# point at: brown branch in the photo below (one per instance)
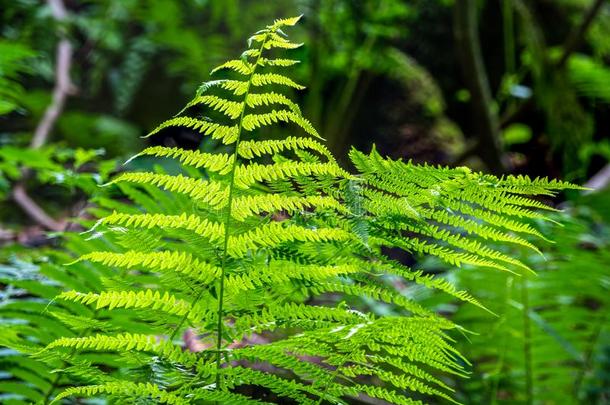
(578, 33)
(33, 210)
(62, 89)
(63, 85)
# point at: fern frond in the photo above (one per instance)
(147, 299)
(269, 253)
(247, 206)
(237, 65)
(391, 396)
(208, 229)
(178, 262)
(308, 317)
(226, 134)
(277, 273)
(216, 162)
(251, 149)
(431, 282)
(128, 342)
(278, 62)
(231, 109)
(286, 388)
(124, 389)
(211, 193)
(379, 293)
(81, 323)
(266, 79)
(284, 22)
(253, 121)
(275, 233)
(248, 175)
(400, 381)
(266, 99)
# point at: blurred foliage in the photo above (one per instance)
(570, 96)
(551, 327)
(13, 64)
(547, 340)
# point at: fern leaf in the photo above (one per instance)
(179, 262)
(282, 272)
(276, 233)
(227, 134)
(250, 149)
(253, 121)
(265, 99)
(128, 342)
(278, 62)
(265, 79)
(285, 22)
(283, 387)
(147, 299)
(124, 389)
(248, 175)
(208, 192)
(247, 206)
(216, 162)
(231, 109)
(212, 230)
(237, 65)
(308, 317)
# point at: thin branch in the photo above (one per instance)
(578, 33)
(63, 85)
(62, 89)
(33, 210)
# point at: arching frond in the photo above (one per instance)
(216, 162)
(268, 258)
(227, 134)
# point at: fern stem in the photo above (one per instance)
(588, 356)
(504, 345)
(227, 223)
(527, 343)
(332, 378)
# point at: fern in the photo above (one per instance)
(255, 244)
(550, 327)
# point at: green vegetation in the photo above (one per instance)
(241, 256)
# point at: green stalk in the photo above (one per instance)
(588, 355)
(500, 324)
(527, 343)
(227, 224)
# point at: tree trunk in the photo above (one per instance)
(475, 77)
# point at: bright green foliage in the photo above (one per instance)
(256, 244)
(548, 340)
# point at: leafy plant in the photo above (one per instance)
(260, 251)
(549, 337)
(12, 66)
